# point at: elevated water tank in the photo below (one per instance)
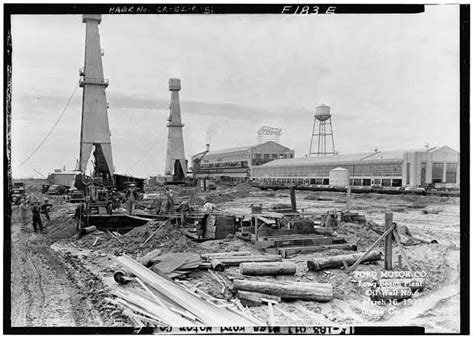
(339, 177)
(323, 112)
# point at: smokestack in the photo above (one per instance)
(208, 146)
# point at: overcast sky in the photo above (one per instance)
(392, 82)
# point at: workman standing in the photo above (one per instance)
(169, 193)
(45, 208)
(22, 213)
(37, 223)
(131, 198)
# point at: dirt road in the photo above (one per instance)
(46, 289)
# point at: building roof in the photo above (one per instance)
(242, 148)
(229, 150)
(392, 155)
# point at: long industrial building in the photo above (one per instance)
(386, 168)
(236, 164)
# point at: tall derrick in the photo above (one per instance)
(95, 132)
(175, 160)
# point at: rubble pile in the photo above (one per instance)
(168, 238)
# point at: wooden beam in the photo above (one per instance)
(153, 234)
(388, 242)
(388, 231)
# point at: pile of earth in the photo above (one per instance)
(361, 235)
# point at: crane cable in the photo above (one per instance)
(54, 126)
(146, 154)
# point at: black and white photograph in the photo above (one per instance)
(236, 169)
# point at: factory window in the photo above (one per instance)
(451, 169)
(266, 156)
(312, 181)
(376, 180)
(258, 156)
(274, 155)
(366, 181)
(357, 181)
(386, 182)
(396, 182)
(437, 172)
(325, 181)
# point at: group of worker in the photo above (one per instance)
(132, 196)
(37, 210)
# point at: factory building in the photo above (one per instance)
(237, 164)
(436, 165)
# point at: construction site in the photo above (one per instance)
(236, 239)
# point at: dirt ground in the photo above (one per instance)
(60, 281)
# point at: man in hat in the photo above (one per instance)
(45, 208)
(131, 198)
(169, 193)
(37, 223)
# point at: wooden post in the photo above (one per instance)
(293, 199)
(348, 198)
(399, 261)
(254, 220)
(388, 241)
(367, 252)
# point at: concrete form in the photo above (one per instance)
(95, 132)
(175, 161)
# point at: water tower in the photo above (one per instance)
(323, 118)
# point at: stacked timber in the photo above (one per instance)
(164, 302)
(321, 292)
(341, 260)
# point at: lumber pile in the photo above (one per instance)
(341, 260)
(162, 302)
(321, 292)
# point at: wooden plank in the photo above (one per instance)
(162, 313)
(277, 232)
(224, 254)
(236, 260)
(303, 242)
(207, 313)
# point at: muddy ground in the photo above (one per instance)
(60, 281)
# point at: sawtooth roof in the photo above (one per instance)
(393, 155)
